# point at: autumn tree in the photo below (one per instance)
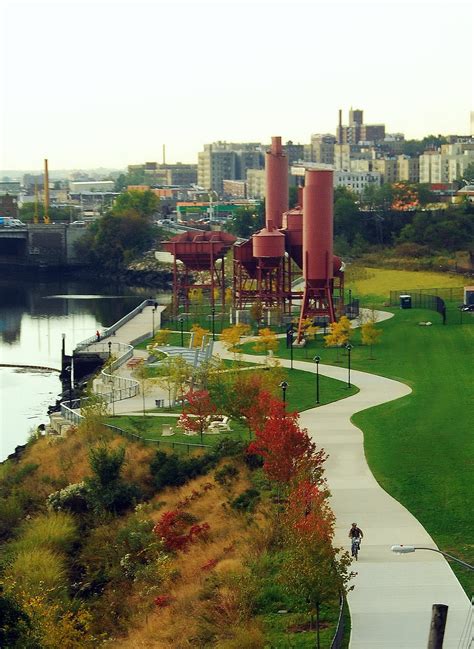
(197, 411)
(314, 572)
(267, 341)
(334, 337)
(175, 374)
(162, 337)
(230, 337)
(370, 335)
(286, 448)
(199, 333)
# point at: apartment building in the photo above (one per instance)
(227, 161)
(256, 183)
(321, 149)
(356, 181)
(387, 168)
(448, 164)
(408, 169)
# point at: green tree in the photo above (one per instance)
(106, 489)
(142, 203)
(244, 222)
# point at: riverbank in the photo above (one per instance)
(159, 279)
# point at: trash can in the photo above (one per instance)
(405, 301)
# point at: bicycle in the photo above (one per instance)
(355, 546)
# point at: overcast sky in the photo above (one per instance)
(106, 83)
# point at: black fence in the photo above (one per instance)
(421, 300)
(158, 442)
(455, 294)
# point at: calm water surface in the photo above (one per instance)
(34, 313)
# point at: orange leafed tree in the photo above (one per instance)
(286, 449)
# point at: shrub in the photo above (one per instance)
(105, 489)
(171, 528)
(15, 625)
(11, 513)
(37, 571)
(72, 498)
(169, 469)
(246, 501)
(55, 531)
(226, 474)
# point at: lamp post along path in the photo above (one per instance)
(317, 360)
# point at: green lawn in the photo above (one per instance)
(300, 395)
(420, 448)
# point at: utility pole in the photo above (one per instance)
(438, 625)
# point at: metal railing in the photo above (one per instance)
(339, 633)
(113, 328)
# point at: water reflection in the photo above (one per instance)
(34, 314)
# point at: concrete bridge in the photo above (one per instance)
(40, 245)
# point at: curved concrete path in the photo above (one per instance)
(391, 603)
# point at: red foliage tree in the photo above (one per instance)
(286, 448)
(308, 513)
(258, 409)
(197, 411)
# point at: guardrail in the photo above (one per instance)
(113, 328)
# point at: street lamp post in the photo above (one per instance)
(284, 386)
(153, 322)
(348, 347)
(213, 316)
(289, 343)
(406, 549)
(68, 369)
(317, 359)
(110, 349)
(181, 324)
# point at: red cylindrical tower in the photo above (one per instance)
(318, 227)
(276, 175)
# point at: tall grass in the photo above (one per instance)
(37, 572)
(55, 531)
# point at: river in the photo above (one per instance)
(34, 314)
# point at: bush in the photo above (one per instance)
(171, 470)
(106, 491)
(11, 513)
(226, 474)
(72, 498)
(246, 501)
(37, 571)
(15, 625)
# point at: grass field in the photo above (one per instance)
(375, 284)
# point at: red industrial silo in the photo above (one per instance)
(317, 252)
(276, 178)
(318, 227)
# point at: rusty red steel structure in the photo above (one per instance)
(264, 266)
(198, 252)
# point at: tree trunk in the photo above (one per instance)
(318, 640)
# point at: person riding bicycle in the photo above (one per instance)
(356, 533)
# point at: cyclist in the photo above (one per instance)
(356, 535)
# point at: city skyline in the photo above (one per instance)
(107, 84)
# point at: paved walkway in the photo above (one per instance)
(391, 603)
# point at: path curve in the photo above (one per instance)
(391, 603)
